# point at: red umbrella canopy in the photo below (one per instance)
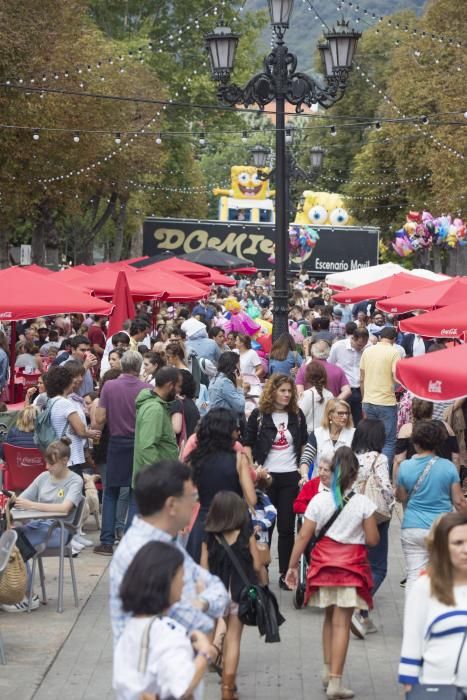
(448, 322)
(436, 376)
(387, 287)
(25, 294)
(143, 285)
(38, 269)
(436, 295)
(175, 287)
(124, 306)
(189, 269)
(104, 280)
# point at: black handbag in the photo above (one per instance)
(257, 605)
(433, 691)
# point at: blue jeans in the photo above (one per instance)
(388, 415)
(111, 503)
(123, 499)
(378, 557)
(132, 510)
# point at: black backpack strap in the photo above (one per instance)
(233, 558)
(332, 519)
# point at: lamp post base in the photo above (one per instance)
(280, 313)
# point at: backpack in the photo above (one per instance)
(44, 433)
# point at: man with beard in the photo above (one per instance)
(154, 435)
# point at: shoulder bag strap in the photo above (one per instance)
(144, 647)
(423, 476)
(333, 518)
(233, 558)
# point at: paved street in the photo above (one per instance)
(52, 656)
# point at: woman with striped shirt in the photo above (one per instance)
(435, 620)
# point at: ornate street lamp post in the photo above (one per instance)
(280, 81)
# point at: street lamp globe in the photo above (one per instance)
(316, 157)
(280, 12)
(260, 156)
(326, 58)
(222, 46)
(342, 44)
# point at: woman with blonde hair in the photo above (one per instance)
(275, 436)
(21, 433)
(336, 430)
(435, 621)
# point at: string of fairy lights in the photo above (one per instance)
(175, 37)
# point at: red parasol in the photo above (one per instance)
(436, 376)
(436, 295)
(448, 322)
(387, 287)
(27, 294)
(163, 286)
(38, 269)
(201, 273)
(124, 306)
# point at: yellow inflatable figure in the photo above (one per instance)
(247, 195)
(323, 209)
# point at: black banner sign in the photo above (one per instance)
(338, 249)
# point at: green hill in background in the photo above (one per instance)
(305, 30)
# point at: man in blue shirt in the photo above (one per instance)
(166, 495)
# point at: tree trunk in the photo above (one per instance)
(38, 243)
(119, 220)
(85, 255)
(136, 248)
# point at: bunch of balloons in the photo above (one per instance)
(423, 230)
(302, 240)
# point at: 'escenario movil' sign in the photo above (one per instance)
(338, 248)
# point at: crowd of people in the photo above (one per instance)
(208, 438)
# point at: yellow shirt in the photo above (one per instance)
(378, 364)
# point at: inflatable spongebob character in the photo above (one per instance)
(248, 199)
(323, 209)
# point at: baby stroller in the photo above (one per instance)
(299, 593)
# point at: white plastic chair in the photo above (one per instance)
(7, 542)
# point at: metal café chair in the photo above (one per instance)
(64, 550)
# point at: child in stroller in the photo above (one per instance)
(309, 490)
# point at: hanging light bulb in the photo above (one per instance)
(244, 137)
(118, 138)
(333, 130)
(202, 140)
(378, 126)
(36, 136)
(159, 139)
(76, 137)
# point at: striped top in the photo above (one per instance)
(433, 636)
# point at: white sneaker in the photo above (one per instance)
(358, 625)
(81, 539)
(22, 606)
(76, 547)
(370, 626)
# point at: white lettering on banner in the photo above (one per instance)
(449, 331)
(170, 238)
(355, 265)
(240, 244)
(6, 314)
(435, 386)
(331, 265)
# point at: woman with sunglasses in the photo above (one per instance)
(336, 430)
